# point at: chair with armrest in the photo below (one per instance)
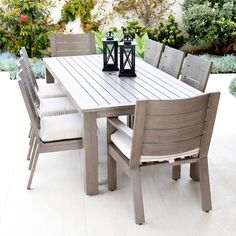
(166, 132)
(171, 61)
(51, 133)
(195, 72)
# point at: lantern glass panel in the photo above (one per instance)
(127, 60)
(110, 55)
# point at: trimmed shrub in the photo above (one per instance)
(8, 62)
(224, 64)
(211, 21)
(232, 87)
(167, 32)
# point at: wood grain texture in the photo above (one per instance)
(72, 44)
(196, 71)
(171, 61)
(153, 52)
(91, 153)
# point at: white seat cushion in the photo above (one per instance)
(123, 142)
(56, 106)
(54, 128)
(50, 90)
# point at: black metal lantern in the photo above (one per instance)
(127, 57)
(110, 52)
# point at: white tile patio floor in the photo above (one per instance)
(58, 206)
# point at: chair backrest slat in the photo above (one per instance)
(168, 127)
(153, 52)
(27, 64)
(32, 110)
(171, 61)
(196, 72)
(170, 148)
(72, 44)
(28, 85)
(175, 121)
(172, 135)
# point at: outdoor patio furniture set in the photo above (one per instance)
(172, 119)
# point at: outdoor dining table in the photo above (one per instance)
(99, 94)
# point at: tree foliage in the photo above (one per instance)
(211, 21)
(26, 23)
(82, 9)
(149, 11)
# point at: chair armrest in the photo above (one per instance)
(118, 124)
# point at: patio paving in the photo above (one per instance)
(57, 204)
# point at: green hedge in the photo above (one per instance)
(232, 87)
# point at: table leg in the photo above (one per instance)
(91, 153)
(49, 77)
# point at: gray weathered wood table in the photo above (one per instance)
(103, 94)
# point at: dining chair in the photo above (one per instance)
(44, 90)
(52, 133)
(166, 133)
(51, 106)
(171, 61)
(195, 72)
(72, 44)
(153, 52)
(45, 107)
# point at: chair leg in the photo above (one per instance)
(129, 121)
(30, 131)
(176, 172)
(205, 185)
(32, 143)
(33, 153)
(137, 196)
(33, 168)
(112, 173)
(194, 171)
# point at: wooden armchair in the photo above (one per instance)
(166, 132)
(153, 52)
(171, 61)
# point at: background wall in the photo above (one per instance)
(75, 26)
